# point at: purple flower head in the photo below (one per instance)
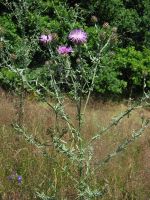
(19, 178)
(45, 38)
(64, 50)
(78, 36)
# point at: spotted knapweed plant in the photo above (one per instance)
(72, 71)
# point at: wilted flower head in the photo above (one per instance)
(64, 50)
(94, 19)
(78, 36)
(45, 38)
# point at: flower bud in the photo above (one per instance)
(114, 29)
(94, 19)
(55, 36)
(106, 25)
(48, 62)
(78, 60)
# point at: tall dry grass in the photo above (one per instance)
(127, 176)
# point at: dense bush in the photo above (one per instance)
(132, 17)
(134, 67)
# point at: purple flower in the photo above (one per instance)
(45, 38)
(64, 50)
(19, 178)
(78, 36)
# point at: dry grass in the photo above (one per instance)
(127, 176)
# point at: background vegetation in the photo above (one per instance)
(126, 66)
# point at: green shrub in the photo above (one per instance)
(134, 66)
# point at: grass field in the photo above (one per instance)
(127, 175)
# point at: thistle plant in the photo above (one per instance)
(72, 74)
(75, 148)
